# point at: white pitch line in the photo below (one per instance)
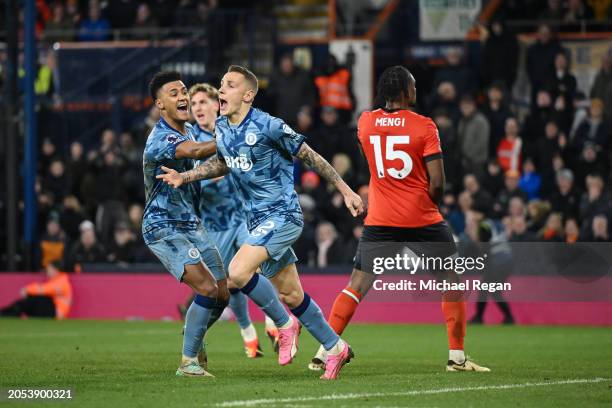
(332, 397)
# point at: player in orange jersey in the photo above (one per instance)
(407, 180)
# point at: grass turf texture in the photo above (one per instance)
(121, 364)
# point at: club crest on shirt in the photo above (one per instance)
(194, 253)
(250, 139)
(172, 139)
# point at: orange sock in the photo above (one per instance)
(343, 309)
(455, 311)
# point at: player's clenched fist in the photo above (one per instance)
(171, 177)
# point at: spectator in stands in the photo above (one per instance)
(329, 247)
(332, 137)
(563, 84)
(456, 217)
(553, 230)
(537, 212)
(445, 98)
(60, 26)
(516, 206)
(56, 180)
(510, 147)
(52, 243)
(87, 249)
(473, 137)
(594, 129)
(577, 11)
(51, 299)
(493, 180)
(335, 89)
(571, 230)
(599, 231)
(110, 192)
(73, 12)
(305, 122)
(519, 231)
(455, 72)
(145, 22)
(591, 161)
(595, 200)
(497, 112)
(121, 248)
(48, 155)
(602, 86)
(540, 58)
(94, 27)
(530, 181)
(480, 196)
(511, 189)
(76, 167)
(499, 54)
(291, 89)
(448, 140)
(566, 199)
(554, 11)
(163, 10)
(540, 114)
(71, 217)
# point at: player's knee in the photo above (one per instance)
(238, 273)
(207, 287)
(292, 298)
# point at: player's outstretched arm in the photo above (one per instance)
(213, 167)
(195, 150)
(320, 165)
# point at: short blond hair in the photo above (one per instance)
(247, 74)
(208, 89)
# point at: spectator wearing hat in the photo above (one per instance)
(87, 249)
(51, 299)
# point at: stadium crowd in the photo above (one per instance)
(543, 176)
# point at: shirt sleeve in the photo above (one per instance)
(287, 139)
(166, 145)
(432, 149)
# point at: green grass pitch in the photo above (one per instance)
(125, 364)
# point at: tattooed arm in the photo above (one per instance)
(320, 165)
(213, 167)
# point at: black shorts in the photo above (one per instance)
(434, 240)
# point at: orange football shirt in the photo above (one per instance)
(397, 145)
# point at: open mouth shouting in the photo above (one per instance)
(223, 105)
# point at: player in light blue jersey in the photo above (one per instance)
(171, 228)
(257, 150)
(223, 216)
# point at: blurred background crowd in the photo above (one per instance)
(537, 166)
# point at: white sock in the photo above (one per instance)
(269, 323)
(321, 353)
(249, 334)
(288, 324)
(458, 356)
(337, 349)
